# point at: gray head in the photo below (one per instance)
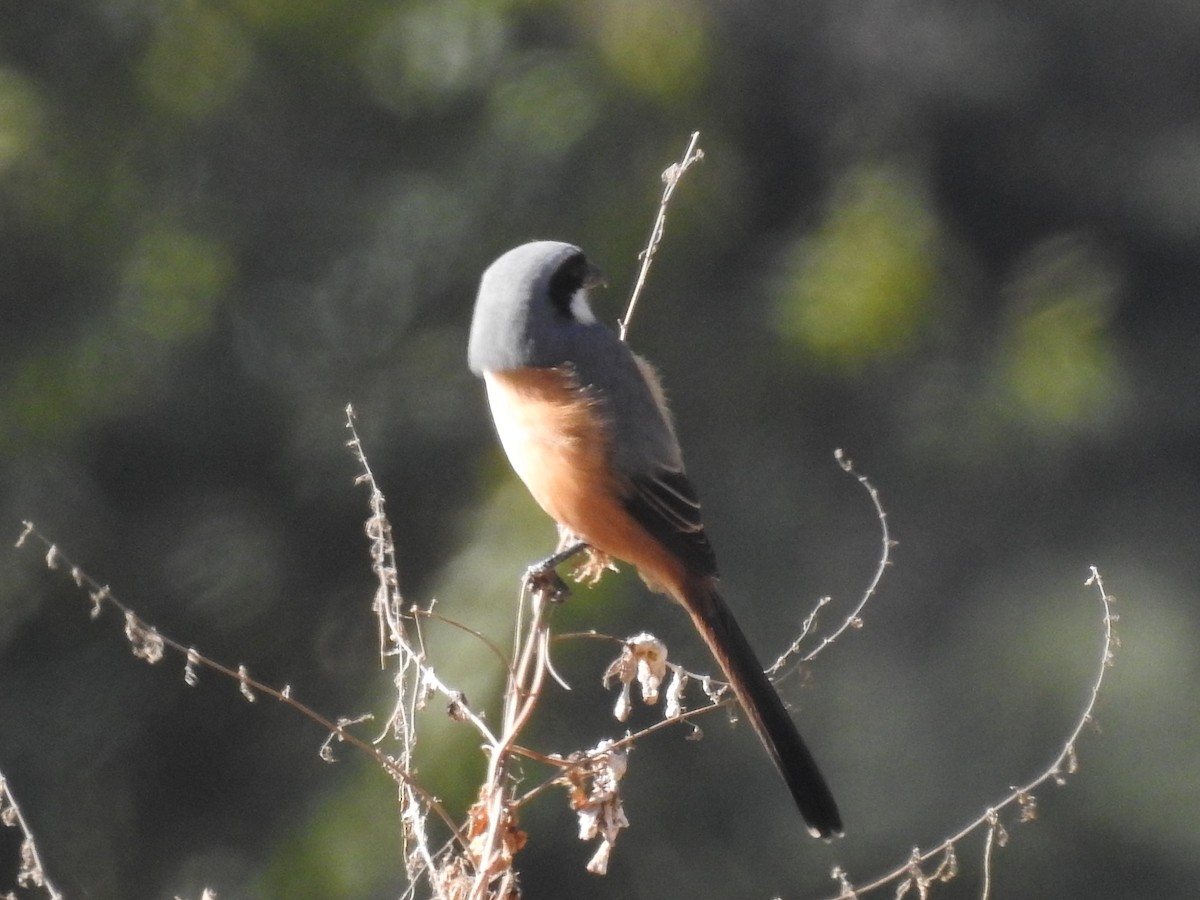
(531, 303)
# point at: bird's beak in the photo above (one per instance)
(593, 278)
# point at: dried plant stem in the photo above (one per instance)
(671, 178)
(493, 853)
(854, 618)
(1064, 764)
(148, 643)
(989, 841)
(30, 873)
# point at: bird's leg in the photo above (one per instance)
(541, 576)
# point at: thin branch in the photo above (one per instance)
(989, 841)
(148, 643)
(401, 638)
(494, 844)
(478, 635)
(1064, 764)
(854, 619)
(31, 872)
(566, 765)
(671, 178)
(388, 601)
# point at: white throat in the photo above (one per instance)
(580, 309)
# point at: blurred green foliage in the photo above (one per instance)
(20, 120)
(197, 59)
(428, 55)
(167, 295)
(862, 287)
(171, 285)
(1059, 367)
(659, 50)
(336, 849)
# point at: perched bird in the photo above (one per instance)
(586, 427)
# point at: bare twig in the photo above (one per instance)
(388, 604)
(854, 618)
(400, 639)
(478, 635)
(671, 178)
(1023, 797)
(30, 872)
(496, 838)
(995, 834)
(146, 642)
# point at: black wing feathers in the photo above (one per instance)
(666, 506)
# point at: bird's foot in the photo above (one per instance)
(542, 578)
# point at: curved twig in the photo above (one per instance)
(1064, 764)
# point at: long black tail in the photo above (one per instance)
(765, 710)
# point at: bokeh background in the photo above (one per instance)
(959, 240)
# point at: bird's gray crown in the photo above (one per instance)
(528, 307)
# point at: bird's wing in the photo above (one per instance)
(665, 504)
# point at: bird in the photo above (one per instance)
(585, 425)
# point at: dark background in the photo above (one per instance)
(960, 240)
